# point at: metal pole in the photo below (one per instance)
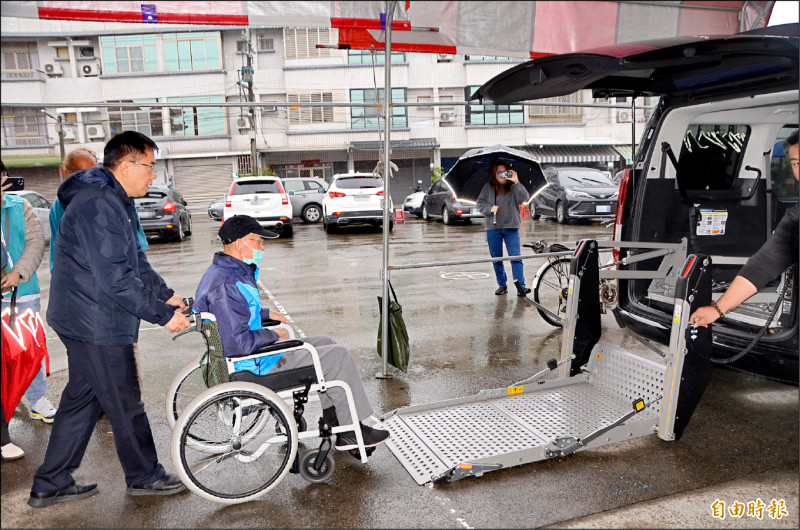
(251, 98)
(61, 140)
(387, 197)
(633, 146)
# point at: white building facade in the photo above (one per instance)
(80, 71)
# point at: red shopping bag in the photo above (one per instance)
(24, 346)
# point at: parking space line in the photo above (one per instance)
(279, 307)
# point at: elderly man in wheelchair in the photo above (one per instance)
(263, 369)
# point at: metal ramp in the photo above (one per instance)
(615, 395)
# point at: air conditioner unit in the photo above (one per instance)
(270, 109)
(447, 117)
(443, 57)
(623, 116)
(69, 133)
(90, 70)
(243, 122)
(95, 131)
(53, 69)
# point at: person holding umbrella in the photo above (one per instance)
(499, 202)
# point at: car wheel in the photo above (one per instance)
(329, 227)
(287, 231)
(189, 228)
(561, 213)
(535, 215)
(391, 225)
(425, 215)
(178, 235)
(311, 213)
(446, 216)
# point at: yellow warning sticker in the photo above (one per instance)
(514, 390)
(677, 315)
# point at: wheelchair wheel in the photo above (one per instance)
(308, 472)
(302, 426)
(186, 386)
(240, 457)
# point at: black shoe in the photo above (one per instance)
(72, 493)
(501, 290)
(166, 485)
(372, 437)
(525, 290)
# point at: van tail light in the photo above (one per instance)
(169, 207)
(453, 198)
(623, 192)
(284, 199)
(228, 201)
(335, 194)
(379, 193)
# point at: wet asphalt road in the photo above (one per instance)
(742, 443)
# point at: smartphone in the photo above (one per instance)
(503, 174)
(17, 183)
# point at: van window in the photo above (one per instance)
(354, 183)
(783, 182)
(711, 155)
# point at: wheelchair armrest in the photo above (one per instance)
(277, 346)
(270, 322)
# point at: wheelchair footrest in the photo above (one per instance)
(279, 381)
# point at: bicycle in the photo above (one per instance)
(550, 286)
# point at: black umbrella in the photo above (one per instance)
(474, 169)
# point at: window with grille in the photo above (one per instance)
(558, 113)
(492, 114)
(22, 126)
(489, 58)
(309, 114)
(146, 120)
(365, 57)
(301, 43)
(20, 60)
(197, 121)
(124, 54)
(192, 51)
(367, 117)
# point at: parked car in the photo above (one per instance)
(40, 205)
(705, 171)
(440, 202)
(306, 194)
(163, 212)
(353, 199)
(215, 209)
(575, 193)
(413, 203)
(263, 198)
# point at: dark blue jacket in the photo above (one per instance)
(228, 290)
(102, 283)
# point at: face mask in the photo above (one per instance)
(258, 255)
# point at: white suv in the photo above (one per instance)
(353, 199)
(262, 198)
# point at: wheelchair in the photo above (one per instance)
(238, 438)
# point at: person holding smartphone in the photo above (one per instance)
(499, 202)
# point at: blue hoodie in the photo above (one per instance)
(102, 283)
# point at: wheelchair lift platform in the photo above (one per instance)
(604, 394)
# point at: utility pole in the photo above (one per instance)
(60, 129)
(251, 99)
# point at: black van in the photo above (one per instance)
(709, 170)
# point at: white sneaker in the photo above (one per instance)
(12, 452)
(43, 410)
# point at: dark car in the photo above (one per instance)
(440, 202)
(707, 174)
(163, 212)
(575, 193)
(215, 208)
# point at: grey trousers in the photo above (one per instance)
(337, 363)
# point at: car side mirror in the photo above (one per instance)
(291, 193)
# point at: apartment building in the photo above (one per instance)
(97, 77)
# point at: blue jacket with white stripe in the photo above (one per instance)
(228, 290)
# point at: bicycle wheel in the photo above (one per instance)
(251, 458)
(550, 289)
(186, 386)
